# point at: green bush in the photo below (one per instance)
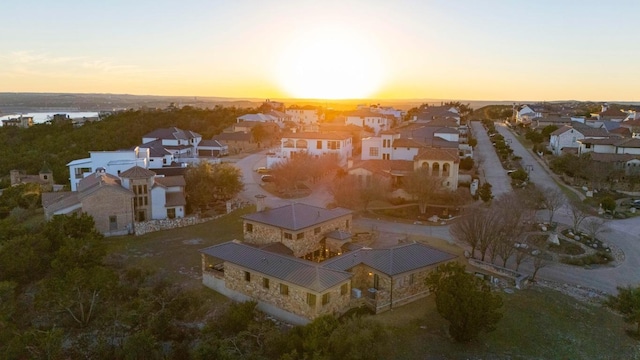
(466, 163)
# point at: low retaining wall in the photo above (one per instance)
(520, 280)
(166, 224)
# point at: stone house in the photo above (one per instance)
(100, 195)
(44, 178)
(117, 202)
(300, 227)
(299, 291)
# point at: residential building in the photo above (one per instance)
(298, 290)
(116, 202)
(100, 195)
(180, 143)
(300, 227)
(44, 178)
(212, 148)
(438, 113)
(315, 144)
(304, 115)
(569, 136)
(236, 142)
(112, 162)
(21, 122)
(367, 118)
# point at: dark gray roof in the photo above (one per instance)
(156, 149)
(172, 133)
(300, 272)
(296, 216)
(339, 235)
(210, 143)
(391, 261)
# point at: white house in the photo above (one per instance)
(569, 137)
(315, 144)
(168, 198)
(113, 162)
(259, 117)
(181, 143)
(304, 115)
(378, 122)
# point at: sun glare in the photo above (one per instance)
(330, 63)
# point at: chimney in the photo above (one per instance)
(260, 202)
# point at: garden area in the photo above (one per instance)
(571, 249)
(412, 213)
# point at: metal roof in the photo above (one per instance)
(296, 216)
(300, 272)
(391, 261)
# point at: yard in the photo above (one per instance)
(175, 252)
(537, 324)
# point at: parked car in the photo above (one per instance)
(268, 178)
(262, 170)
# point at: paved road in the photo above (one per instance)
(487, 160)
(253, 185)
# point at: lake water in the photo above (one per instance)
(39, 118)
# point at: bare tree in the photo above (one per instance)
(578, 214)
(538, 263)
(594, 226)
(472, 229)
(552, 199)
(512, 214)
(423, 186)
(521, 255)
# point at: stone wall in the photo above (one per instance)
(295, 302)
(519, 280)
(106, 202)
(265, 234)
(166, 224)
(405, 290)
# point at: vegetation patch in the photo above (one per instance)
(412, 212)
(599, 258)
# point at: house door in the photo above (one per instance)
(141, 215)
(376, 281)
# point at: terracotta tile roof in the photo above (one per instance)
(448, 122)
(137, 172)
(169, 181)
(365, 113)
(438, 154)
(318, 135)
(386, 166)
(174, 199)
(629, 143)
(97, 179)
(408, 142)
(605, 141)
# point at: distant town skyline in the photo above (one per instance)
(492, 50)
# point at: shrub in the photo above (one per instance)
(466, 163)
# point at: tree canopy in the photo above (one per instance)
(208, 183)
(627, 303)
(465, 301)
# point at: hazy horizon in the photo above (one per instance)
(392, 51)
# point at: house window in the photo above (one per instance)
(311, 299)
(316, 231)
(373, 151)
(319, 144)
(411, 279)
(347, 224)
(284, 289)
(288, 236)
(144, 189)
(300, 236)
(326, 298)
(344, 288)
(265, 283)
(385, 157)
(249, 228)
(171, 213)
(247, 276)
(113, 222)
(333, 145)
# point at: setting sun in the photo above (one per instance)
(330, 63)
